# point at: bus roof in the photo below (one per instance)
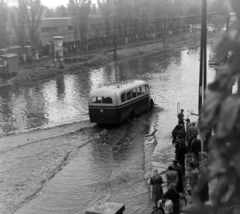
(117, 88)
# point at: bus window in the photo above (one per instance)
(97, 100)
(107, 100)
(147, 88)
(123, 97)
(129, 95)
(138, 91)
(143, 89)
(134, 93)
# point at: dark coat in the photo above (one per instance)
(181, 149)
(157, 190)
(180, 180)
(196, 146)
(174, 197)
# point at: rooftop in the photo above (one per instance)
(98, 15)
(119, 86)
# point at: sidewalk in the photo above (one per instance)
(49, 59)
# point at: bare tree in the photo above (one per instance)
(49, 12)
(3, 23)
(84, 9)
(73, 11)
(106, 8)
(18, 21)
(79, 11)
(61, 11)
(35, 11)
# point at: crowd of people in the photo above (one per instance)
(186, 142)
(28, 58)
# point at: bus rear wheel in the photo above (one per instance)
(130, 117)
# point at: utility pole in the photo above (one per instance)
(203, 58)
(114, 40)
(227, 25)
(115, 45)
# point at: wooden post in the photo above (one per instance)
(203, 58)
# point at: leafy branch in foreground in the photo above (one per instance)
(221, 112)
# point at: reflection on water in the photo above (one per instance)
(54, 102)
(64, 99)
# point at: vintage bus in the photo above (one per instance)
(119, 102)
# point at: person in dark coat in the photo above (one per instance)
(178, 169)
(157, 191)
(196, 148)
(181, 117)
(174, 196)
(180, 151)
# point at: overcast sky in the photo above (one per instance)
(55, 3)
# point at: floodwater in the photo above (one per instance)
(100, 164)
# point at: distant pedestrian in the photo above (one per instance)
(174, 196)
(21, 59)
(37, 57)
(24, 58)
(181, 150)
(164, 40)
(181, 117)
(178, 169)
(172, 176)
(40, 55)
(196, 149)
(157, 191)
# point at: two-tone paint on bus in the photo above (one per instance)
(119, 102)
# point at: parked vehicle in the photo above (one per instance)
(119, 102)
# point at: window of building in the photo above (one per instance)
(70, 27)
(48, 29)
(107, 100)
(62, 28)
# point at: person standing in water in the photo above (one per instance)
(181, 117)
(157, 191)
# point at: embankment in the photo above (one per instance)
(175, 43)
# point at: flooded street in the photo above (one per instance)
(66, 170)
